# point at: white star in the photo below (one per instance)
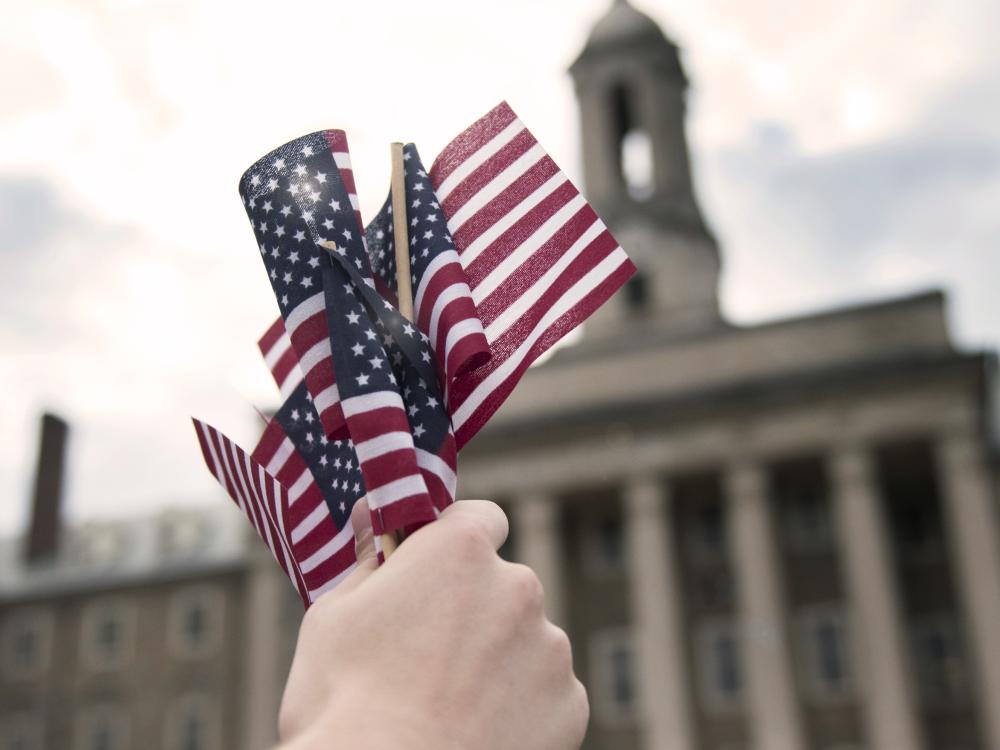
(418, 186)
(413, 221)
(274, 274)
(408, 329)
(267, 207)
(335, 205)
(352, 317)
(357, 262)
(432, 402)
(293, 188)
(263, 226)
(284, 299)
(275, 253)
(314, 195)
(314, 262)
(309, 417)
(406, 156)
(397, 358)
(413, 410)
(285, 210)
(432, 218)
(376, 362)
(280, 231)
(416, 203)
(357, 487)
(348, 289)
(425, 355)
(295, 415)
(307, 215)
(323, 461)
(327, 224)
(424, 252)
(255, 180)
(293, 257)
(358, 350)
(309, 438)
(347, 234)
(370, 334)
(428, 234)
(306, 281)
(278, 164)
(307, 150)
(362, 379)
(272, 184)
(336, 463)
(299, 236)
(300, 169)
(380, 234)
(321, 177)
(418, 430)
(287, 278)
(343, 507)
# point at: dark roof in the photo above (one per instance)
(625, 29)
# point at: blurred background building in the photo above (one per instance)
(777, 537)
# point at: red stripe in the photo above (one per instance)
(468, 353)
(466, 144)
(521, 329)
(370, 424)
(389, 467)
(545, 257)
(487, 171)
(556, 331)
(270, 441)
(331, 567)
(271, 336)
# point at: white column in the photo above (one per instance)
(538, 544)
(774, 716)
(657, 620)
(970, 510)
(263, 659)
(880, 652)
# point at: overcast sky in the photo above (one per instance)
(843, 149)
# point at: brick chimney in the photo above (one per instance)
(42, 543)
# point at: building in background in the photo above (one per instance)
(777, 537)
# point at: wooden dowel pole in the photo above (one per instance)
(404, 287)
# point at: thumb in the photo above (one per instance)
(364, 546)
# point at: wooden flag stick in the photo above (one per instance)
(404, 287)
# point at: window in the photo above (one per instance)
(27, 640)
(102, 727)
(191, 724)
(20, 732)
(705, 533)
(195, 621)
(181, 533)
(633, 144)
(604, 545)
(108, 634)
(613, 676)
(825, 653)
(720, 667)
(806, 522)
(938, 656)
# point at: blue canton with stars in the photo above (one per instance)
(425, 223)
(333, 463)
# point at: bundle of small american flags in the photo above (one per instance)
(506, 257)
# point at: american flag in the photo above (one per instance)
(442, 301)
(506, 258)
(538, 259)
(258, 493)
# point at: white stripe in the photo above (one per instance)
(387, 494)
(326, 398)
(590, 281)
(370, 402)
(467, 327)
(318, 352)
(518, 212)
(526, 249)
(514, 310)
(328, 550)
(476, 158)
(354, 201)
(281, 455)
(276, 352)
(300, 486)
(316, 593)
(439, 262)
(310, 522)
(435, 465)
(448, 295)
(291, 382)
(305, 310)
(385, 443)
(343, 159)
(280, 521)
(494, 187)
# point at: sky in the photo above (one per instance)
(843, 150)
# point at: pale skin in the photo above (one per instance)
(445, 647)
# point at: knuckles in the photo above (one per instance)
(526, 589)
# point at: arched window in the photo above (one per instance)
(633, 145)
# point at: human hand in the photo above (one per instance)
(444, 647)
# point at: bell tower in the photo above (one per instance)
(631, 90)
